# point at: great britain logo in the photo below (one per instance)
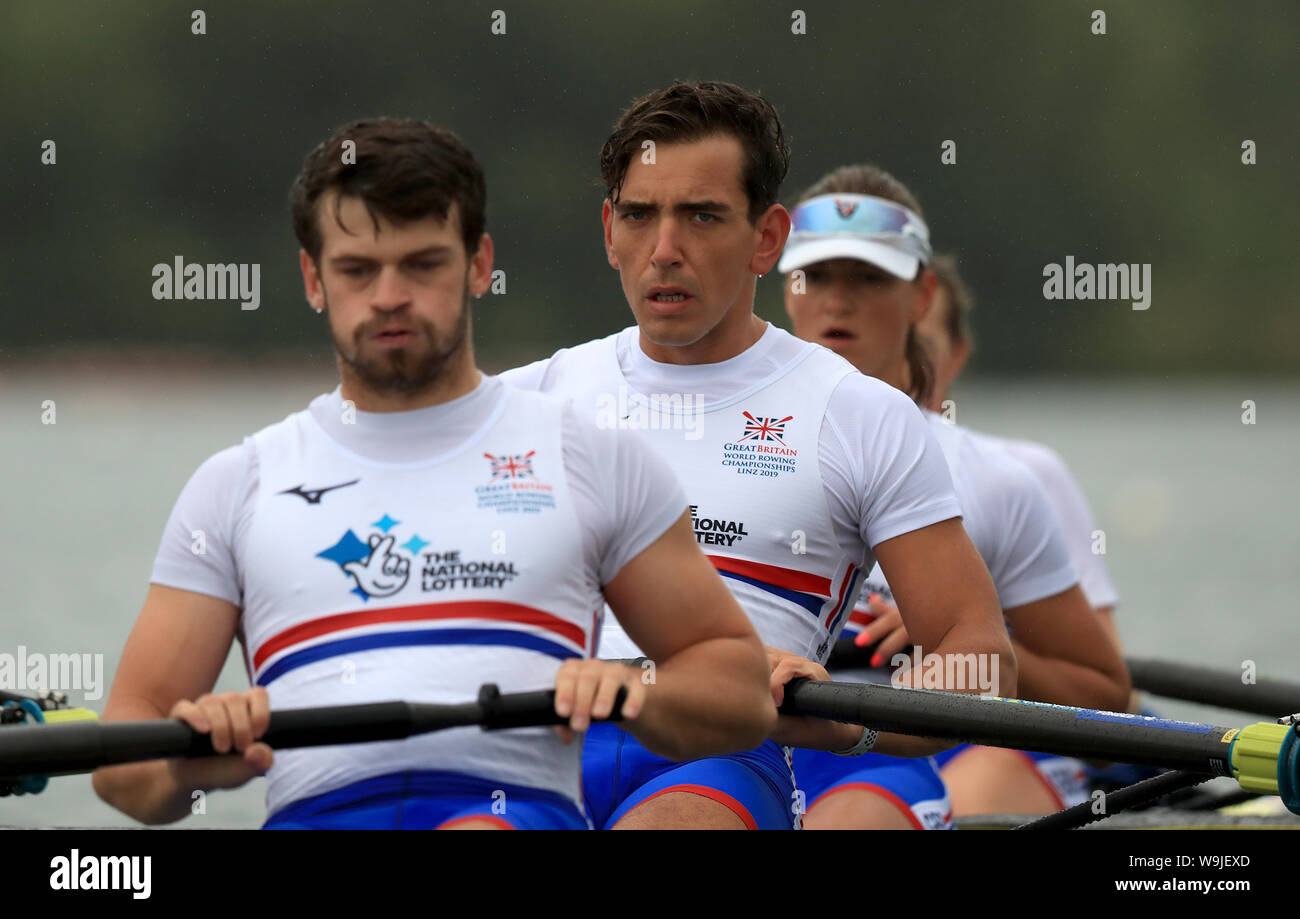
(761, 449)
(761, 428)
(512, 466)
(513, 486)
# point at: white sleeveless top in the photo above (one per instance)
(750, 456)
(418, 582)
(415, 556)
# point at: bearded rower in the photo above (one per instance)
(416, 533)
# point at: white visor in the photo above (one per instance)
(813, 248)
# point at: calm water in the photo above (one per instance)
(1198, 510)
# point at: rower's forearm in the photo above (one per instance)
(974, 659)
(144, 791)
(1049, 679)
(709, 699)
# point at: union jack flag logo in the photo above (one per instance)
(764, 428)
(512, 466)
(845, 208)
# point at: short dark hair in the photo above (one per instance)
(404, 170)
(686, 112)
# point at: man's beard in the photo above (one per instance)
(403, 370)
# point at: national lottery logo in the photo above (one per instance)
(764, 429)
(845, 208)
(374, 568)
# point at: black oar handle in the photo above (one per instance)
(845, 653)
(82, 746)
(528, 709)
(86, 745)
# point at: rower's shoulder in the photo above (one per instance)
(229, 460)
(241, 460)
(1042, 460)
(988, 472)
(225, 478)
(858, 398)
(549, 372)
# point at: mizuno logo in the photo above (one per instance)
(313, 495)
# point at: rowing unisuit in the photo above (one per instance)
(806, 462)
(1013, 526)
(417, 555)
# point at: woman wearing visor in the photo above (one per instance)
(858, 282)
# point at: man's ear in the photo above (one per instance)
(480, 266)
(311, 281)
(607, 221)
(772, 229)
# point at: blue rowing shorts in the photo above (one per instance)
(618, 774)
(912, 785)
(429, 801)
(947, 756)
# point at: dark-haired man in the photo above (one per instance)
(417, 532)
(800, 470)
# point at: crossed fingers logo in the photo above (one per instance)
(384, 572)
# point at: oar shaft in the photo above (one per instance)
(60, 749)
(1187, 682)
(64, 749)
(1222, 688)
(1020, 725)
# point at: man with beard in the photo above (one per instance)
(417, 532)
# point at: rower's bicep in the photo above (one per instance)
(175, 651)
(669, 596)
(937, 579)
(1065, 627)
